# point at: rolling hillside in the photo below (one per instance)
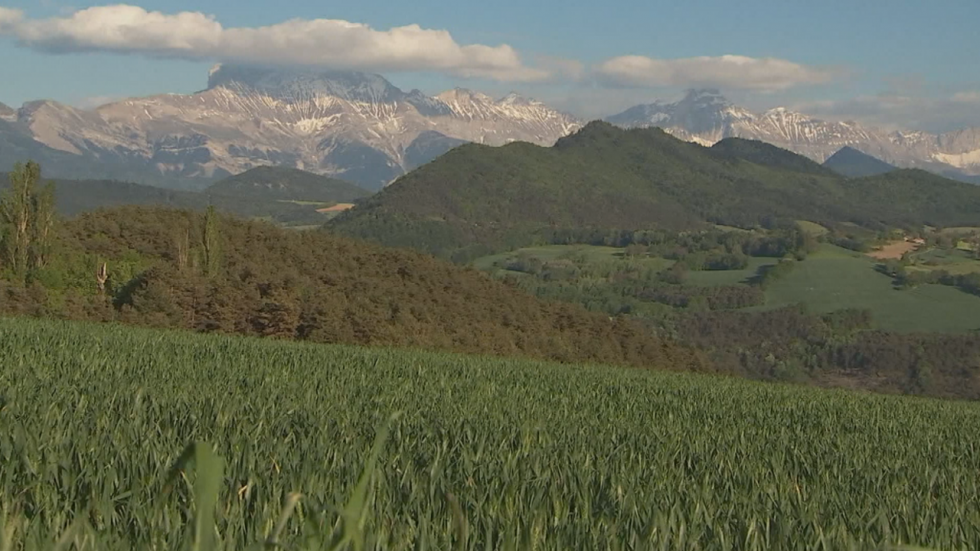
(477, 199)
(583, 457)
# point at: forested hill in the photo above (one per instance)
(765, 154)
(856, 164)
(286, 184)
(182, 269)
(477, 198)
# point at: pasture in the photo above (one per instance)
(834, 278)
(485, 454)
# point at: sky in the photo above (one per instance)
(893, 63)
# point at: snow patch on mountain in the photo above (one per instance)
(342, 123)
(706, 117)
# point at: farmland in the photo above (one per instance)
(505, 454)
(833, 279)
(830, 279)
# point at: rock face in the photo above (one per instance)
(350, 125)
(705, 116)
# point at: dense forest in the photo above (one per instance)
(476, 199)
(205, 271)
(209, 272)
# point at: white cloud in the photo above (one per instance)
(900, 111)
(327, 43)
(967, 97)
(727, 72)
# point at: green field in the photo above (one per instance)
(487, 454)
(958, 262)
(812, 228)
(591, 254)
(834, 278)
(711, 278)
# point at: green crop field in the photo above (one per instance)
(834, 278)
(486, 453)
(552, 252)
(711, 278)
(812, 228)
(957, 262)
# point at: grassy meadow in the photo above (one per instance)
(834, 278)
(829, 279)
(486, 453)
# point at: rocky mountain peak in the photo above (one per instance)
(706, 117)
(514, 98)
(301, 84)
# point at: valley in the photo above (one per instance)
(500, 337)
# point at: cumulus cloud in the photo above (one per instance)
(327, 43)
(726, 72)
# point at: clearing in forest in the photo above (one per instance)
(894, 250)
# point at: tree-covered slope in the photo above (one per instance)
(855, 164)
(262, 280)
(477, 198)
(287, 184)
(765, 154)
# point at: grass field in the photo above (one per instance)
(710, 278)
(957, 262)
(835, 278)
(487, 454)
(812, 228)
(591, 254)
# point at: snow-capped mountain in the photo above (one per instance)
(705, 117)
(350, 125)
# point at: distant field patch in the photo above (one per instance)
(835, 278)
(894, 250)
(957, 262)
(716, 278)
(339, 207)
(588, 253)
(812, 228)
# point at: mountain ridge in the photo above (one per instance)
(346, 124)
(476, 199)
(706, 117)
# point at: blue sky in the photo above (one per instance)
(902, 62)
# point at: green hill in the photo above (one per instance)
(855, 164)
(477, 199)
(765, 154)
(311, 286)
(286, 184)
(486, 454)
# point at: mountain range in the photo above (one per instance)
(706, 117)
(360, 128)
(350, 125)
